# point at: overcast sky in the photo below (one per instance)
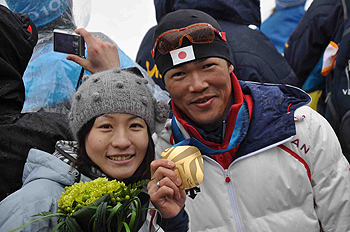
(124, 21)
(127, 21)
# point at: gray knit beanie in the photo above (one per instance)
(115, 91)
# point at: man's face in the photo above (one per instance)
(201, 90)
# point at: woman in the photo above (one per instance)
(113, 116)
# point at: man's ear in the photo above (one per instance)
(230, 68)
(163, 79)
(166, 88)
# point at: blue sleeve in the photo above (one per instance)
(33, 198)
(178, 223)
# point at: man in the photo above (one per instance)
(271, 163)
(248, 50)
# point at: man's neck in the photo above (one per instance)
(214, 132)
(212, 127)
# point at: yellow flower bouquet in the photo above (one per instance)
(100, 205)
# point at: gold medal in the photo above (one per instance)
(188, 164)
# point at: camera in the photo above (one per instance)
(68, 42)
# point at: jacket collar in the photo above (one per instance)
(272, 118)
(237, 126)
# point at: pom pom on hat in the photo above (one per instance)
(162, 111)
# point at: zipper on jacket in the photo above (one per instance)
(228, 180)
(223, 129)
(231, 194)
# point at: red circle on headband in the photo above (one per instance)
(182, 55)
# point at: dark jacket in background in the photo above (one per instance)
(254, 55)
(20, 132)
(323, 22)
(310, 38)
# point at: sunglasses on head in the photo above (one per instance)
(195, 33)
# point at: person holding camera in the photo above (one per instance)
(49, 79)
(21, 131)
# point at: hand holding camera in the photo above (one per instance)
(68, 42)
(101, 55)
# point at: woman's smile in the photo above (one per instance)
(126, 158)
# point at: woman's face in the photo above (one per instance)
(117, 143)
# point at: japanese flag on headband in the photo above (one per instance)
(182, 55)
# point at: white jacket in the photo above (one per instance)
(301, 184)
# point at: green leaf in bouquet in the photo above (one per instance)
(144, 200)
(100, 219)
(72, 225)
(59, 225)
(133, 209)
(93, 222)
(89, 210)
(127, 229)
(113, 212)
(44, 215)
(119, 222)
(132, 219)
(100, 205)
(84, 215)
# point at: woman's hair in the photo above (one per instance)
(84, 163)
